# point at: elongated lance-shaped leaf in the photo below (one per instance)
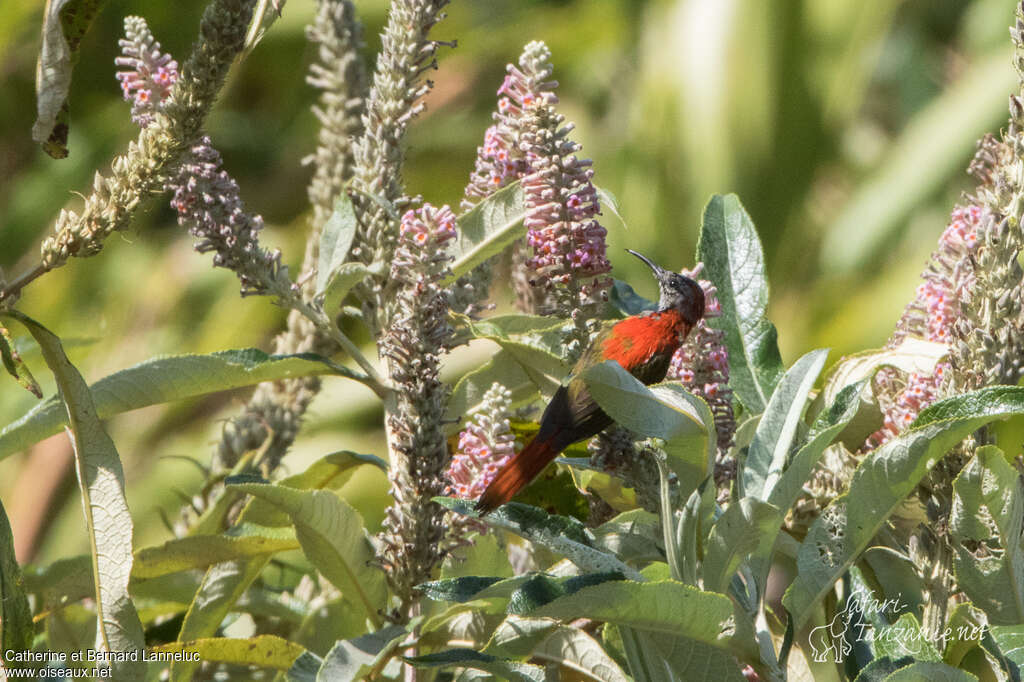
(731, 252)
(502, 368)
(573, 649)
(200, 551)
(109, 523)
(657, 657)
(988, 510)
(333, 538)
(881, 483)
(487, 229)
(777, 429)
(745, 532)
(667, 411)
(16, 629)
(357, 658)
(224, 583)
(166, 379)
(666, 606)
(266, 651)
(335, 241)
(504, 669)
(561, 534)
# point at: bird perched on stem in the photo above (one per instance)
(643, 344)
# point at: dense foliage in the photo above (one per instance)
(742, 519)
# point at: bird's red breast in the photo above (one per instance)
(635, 340)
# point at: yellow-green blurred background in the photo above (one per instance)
(845, 127)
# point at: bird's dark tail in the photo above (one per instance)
(522, 469)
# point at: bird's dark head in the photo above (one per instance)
(678, 292)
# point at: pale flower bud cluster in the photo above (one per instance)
(149, 73)
(702, 363)
(485, 445)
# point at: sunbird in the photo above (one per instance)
(643, 344)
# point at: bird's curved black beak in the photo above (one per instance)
(659, 271)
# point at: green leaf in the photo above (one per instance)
(15, 366)
(457, 589)
(537, 343)
(223, 584)
(777, 429)
(986, 524)
(200, 551)
(561, 534)
(826, 428)
(910, 355)
(65, 23)
(266, 651)
(469, 658)
(904, 638)
(627, 301)
(108, 521)
(667, 607)
(665, 411)
(333, 538)
(731, 252)
(354, 659)
(487, 229)
(657, 657)
(930, 671)
(967, 623)
(342, 280)
(573, 649)
(335, 241)
(608, 200)
(166, 379)
(517, 637)
(1010, 640)
(539, 589)
(16, 627)
(634, 535)
(503, 369)
(221, 587)
(748, 527)
(881, 483)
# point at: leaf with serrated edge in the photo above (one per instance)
(109, 523)
(989, 488)
(731, 252)
(880, 484)
(335, 241)
(774, 436)
(165, 379)
(487, 229)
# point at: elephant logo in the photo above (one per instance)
(830, 638)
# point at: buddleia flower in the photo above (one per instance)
(148, 72)
(412, 344)
(931, 316)
(485, 445)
